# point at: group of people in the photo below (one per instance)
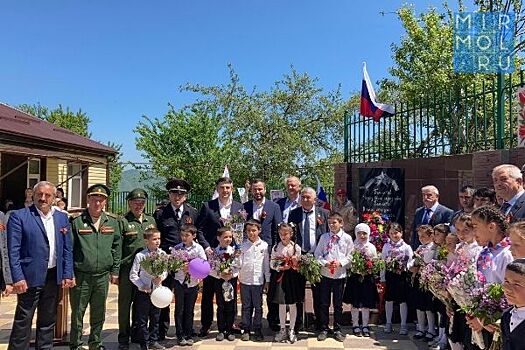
(45, 250)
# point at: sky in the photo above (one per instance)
(120, 60)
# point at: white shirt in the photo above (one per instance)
(179, 214)
(140, 277)
(195, 250)
(426, 251)
(340, 250)
(281, 251)
(517, 315)
(255, 265)
(49, 225)
(313, 241)
(496, 272)
(234, 267)
(290, 205)
(225, 210)
(258, 209)
(388, 247)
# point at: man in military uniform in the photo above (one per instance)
(169, 221)
(96, 255)
(134, 223)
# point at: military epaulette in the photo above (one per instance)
(114, 216)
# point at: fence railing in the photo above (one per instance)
(462, 120)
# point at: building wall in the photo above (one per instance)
(56, 172)
(97, 174)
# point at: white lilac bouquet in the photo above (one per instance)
(396, 261)
(155, 263)
(432, 278)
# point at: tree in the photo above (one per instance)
(115, 166)
(78, 122)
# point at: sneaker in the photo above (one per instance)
(388, 328)
(245, 336)
(220, 336)
(258, 336)
(429, 337)
(183, 341)
(403, 330)
(357, 331)
(292, 337)
(189, 341)
(366, 332)
(156, 346)
(280, 337)
(339, 336)
(230, 337)
(322, 336)
(419, 335)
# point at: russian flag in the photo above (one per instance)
(369, 106)
(321, 196)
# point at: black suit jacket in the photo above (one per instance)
(321, 225)
(209, 220)
(441, 215)
(517, 211)
(269, 222)
(512, 340)
(169, 226)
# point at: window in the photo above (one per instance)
(33, 172)
(74, 185)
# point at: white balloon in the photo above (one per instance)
(161, 297)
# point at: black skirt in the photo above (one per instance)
(361, 291)
(397, 286)
(420, 299)
(286, 287)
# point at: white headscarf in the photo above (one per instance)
(366, 246)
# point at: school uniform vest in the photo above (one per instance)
(512, 340)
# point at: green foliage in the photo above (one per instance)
(78, 122)
(115, 166)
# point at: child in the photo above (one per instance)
(517, 237)
(225, 308)
(396, 289)
(467, 247)
(423, 299)
(451, 242)
(286, 284)
(361, 291)
(333, 252)
(186, 287)
(143, 309)
(512, 325)
(254, 276)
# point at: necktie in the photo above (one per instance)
(177, 213)
(307, 244)
(426, 217)
(505, 208)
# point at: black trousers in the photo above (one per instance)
(316, 296)
(44, 299)
(185, 298)
(332, 287)
(145, 311)
(225, 310)
(164, 318)
(208, 289)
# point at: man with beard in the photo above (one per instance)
(508, 183)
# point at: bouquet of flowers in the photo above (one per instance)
(235, 222)
(442, 253)
(223, 263)
(155, 263)
(310, 268)
(283, 261)
(463, 288)
(363, 264)
(432, 278)
(177, 259)
(396, 261)
(488, 304)
(377, 224)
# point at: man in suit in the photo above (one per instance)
(211, 217)
(508, 183)
(269, 214)
(311, 222)
(40, 255)
(169, 220)
(6, 282)
(431, 213)
(293, 199)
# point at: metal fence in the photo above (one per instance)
(462, 120)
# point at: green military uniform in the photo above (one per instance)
(132, 242)
(96, 255)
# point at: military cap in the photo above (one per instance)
(178, 185)
(137, 193)
(98, 189)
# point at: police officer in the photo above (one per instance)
(169, 221)
(134, 223)
(96, 255)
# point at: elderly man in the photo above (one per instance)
(211, 217)
(311, 222)
(508, 183)
(169, 221)
(134, 223)
(96, 252)
(293, 199)
(345, 207)
(40, 256)
(431, 213)
(6, 281)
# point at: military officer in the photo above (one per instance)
(96, 255)
(134, 223)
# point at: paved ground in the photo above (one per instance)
(379, 339)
